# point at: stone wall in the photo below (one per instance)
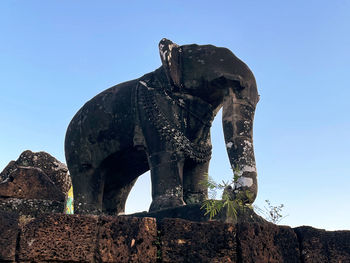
(78, 238)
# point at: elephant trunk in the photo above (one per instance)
(237, 118)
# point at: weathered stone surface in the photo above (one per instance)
(186, 241)
(194, 212)
(127, 239)
(33, 207)
(30, 183)
(267, 243)
(323, 246)
(54, 169)
(35, 183)
(8, 236)
(59, 238)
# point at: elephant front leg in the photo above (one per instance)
(167, 180)
(195, 176)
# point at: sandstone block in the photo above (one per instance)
(323, 246)
(30, 183)
(267, 243)
(54, 169)
(127, 239)
(58, 238)
(186, 241)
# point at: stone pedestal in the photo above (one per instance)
(195, 213)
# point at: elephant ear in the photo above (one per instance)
(170, 54)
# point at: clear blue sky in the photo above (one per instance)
(56, 55)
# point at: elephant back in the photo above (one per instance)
(103, 126)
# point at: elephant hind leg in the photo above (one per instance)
(88, 186)
(114, 198)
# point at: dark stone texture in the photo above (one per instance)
(127, 239)
(161, 122)
(59, 238)
(56, 171)
(30, 183)
(186, 241)
(318, 245)
(8, 236)
(267, 243)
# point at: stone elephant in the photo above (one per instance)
(161, 122)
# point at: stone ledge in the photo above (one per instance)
(30, 207)
(193, 212)
(87, 238)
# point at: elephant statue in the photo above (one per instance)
(161, 122)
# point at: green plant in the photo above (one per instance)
(213, 207)
(232, 200)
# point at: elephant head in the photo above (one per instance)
(218, 77)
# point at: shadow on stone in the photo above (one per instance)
(194, 212)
